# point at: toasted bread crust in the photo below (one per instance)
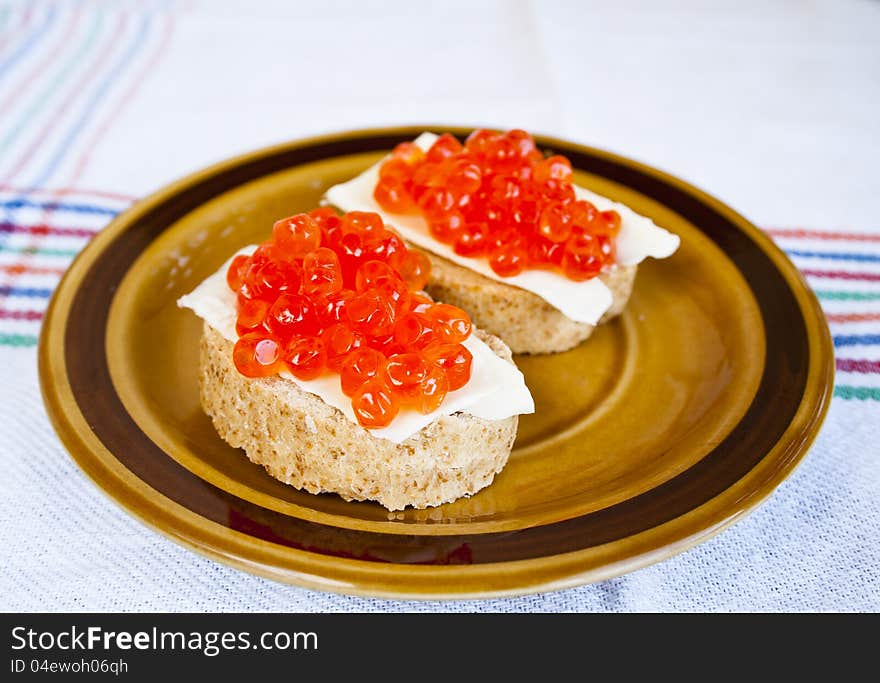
(525, 322)
(304, 442)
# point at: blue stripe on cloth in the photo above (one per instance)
(95, 100)
(22, 203)
(33, 292)
(29, 43)
(834, 255)
(857, 339)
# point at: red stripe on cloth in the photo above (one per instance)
(842, 275)
(823, 235)
(46, 230)
(852, 317)
(863, 366)
(20, 315)
(21, 268)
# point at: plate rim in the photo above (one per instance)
(390, 580)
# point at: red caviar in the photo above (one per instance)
(330, 293)
(497, 197)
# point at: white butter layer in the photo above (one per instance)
(583, 301)
(496, 390)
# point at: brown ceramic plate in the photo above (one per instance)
(663, 428)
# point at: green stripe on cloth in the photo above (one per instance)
(834, 295)
(36, 251)
(18, 340)
(859, 393)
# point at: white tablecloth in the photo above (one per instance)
(773, 107)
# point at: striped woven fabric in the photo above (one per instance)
(843, 268)
(66, 72)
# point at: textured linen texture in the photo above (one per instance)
(773, 108)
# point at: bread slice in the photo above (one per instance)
(525, 322)
(304, 442)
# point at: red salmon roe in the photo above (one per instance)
(341, 294)
(497, 197)
(257, 355)
(455, 359)
(375, 404)
(427, 395)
